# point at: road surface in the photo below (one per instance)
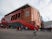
(14, 34)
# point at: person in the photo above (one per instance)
(34, 33)
(35, 30)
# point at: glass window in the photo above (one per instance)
(27, 13)
(14, 17)
(18, 15)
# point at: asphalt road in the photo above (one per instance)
(14, 34)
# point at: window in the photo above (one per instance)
(27, 13)
(14, 17)
(18, 15)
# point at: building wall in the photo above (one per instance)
(22, 15)
(28, 14)
(8, 17)
(35, 16)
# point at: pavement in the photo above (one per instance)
(24, 34)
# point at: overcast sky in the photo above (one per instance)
(44, 7)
